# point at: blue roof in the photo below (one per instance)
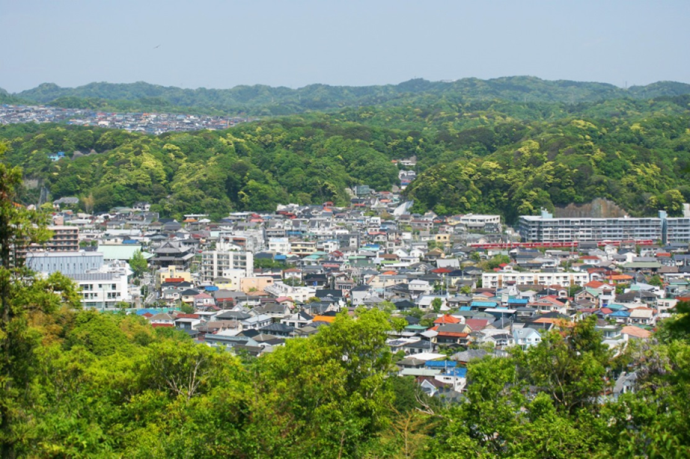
(440, 363)
(280, 257)
(620, 314)
(211, 288)
(460, 372)
(465, 308)
(517, 301)
(130, 241)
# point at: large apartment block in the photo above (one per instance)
(215, 264)
(545, 228)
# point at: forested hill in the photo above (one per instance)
(266, 100)
(483, 156)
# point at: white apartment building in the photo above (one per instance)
(279, 245)
(102, 290)
(545, 228)
(479, 222)
(301, 294)
(496, 280)
(216, 264)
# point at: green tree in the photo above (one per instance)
(22, 296)
(138, 263)
(186, 308)
(656, 281)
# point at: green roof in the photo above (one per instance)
(642, 264)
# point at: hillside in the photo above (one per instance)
(479, 156)
(266, 100)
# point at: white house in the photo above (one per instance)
(526, 337)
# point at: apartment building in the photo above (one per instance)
(216, 264)
(478, 222)
(65, 239)
(545, 228)
(564, 279)
(102, 290)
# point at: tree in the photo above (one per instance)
(21, 296)
(656, 281)
(138, 263)
(186, 308)
(436, 305)
(569, 365)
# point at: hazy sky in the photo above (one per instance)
(220, 44)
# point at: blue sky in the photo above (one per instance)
(221, 44)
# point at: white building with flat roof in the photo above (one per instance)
(564, 279)
(102, 290)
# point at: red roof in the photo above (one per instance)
(187, 316)
(594, 284)
(441, 271)
(476, 324)
(447, 319)
(453, 334)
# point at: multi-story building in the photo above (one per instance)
(478, 222)
(65, 239)
(102, 290)
(302, 248)
(564, 279)
(279, 245)
(545, 228)
(216, 264)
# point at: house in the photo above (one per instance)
(642, 316)
(162, 320)
(631, 331)
(256, 322)
(456, 377)
(298, 320)
(500, 340)
(526, 337)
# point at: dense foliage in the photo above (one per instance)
(640, 164)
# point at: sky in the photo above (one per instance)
(294, 43)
